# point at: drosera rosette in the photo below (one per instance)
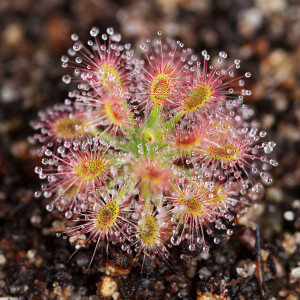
(209, 87)
(61, 123)
(72, 174)
(106, 218)
(162, 74)
(171, 135)
(104, 62)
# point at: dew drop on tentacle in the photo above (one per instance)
(175, 240)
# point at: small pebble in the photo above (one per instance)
(296, 204)
(107, 287)
(295, 273)
(2, 260)
(246, 268)
(289, 215)
(204, 273)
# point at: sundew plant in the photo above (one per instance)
(150, 152)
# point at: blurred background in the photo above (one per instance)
(34, 34)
